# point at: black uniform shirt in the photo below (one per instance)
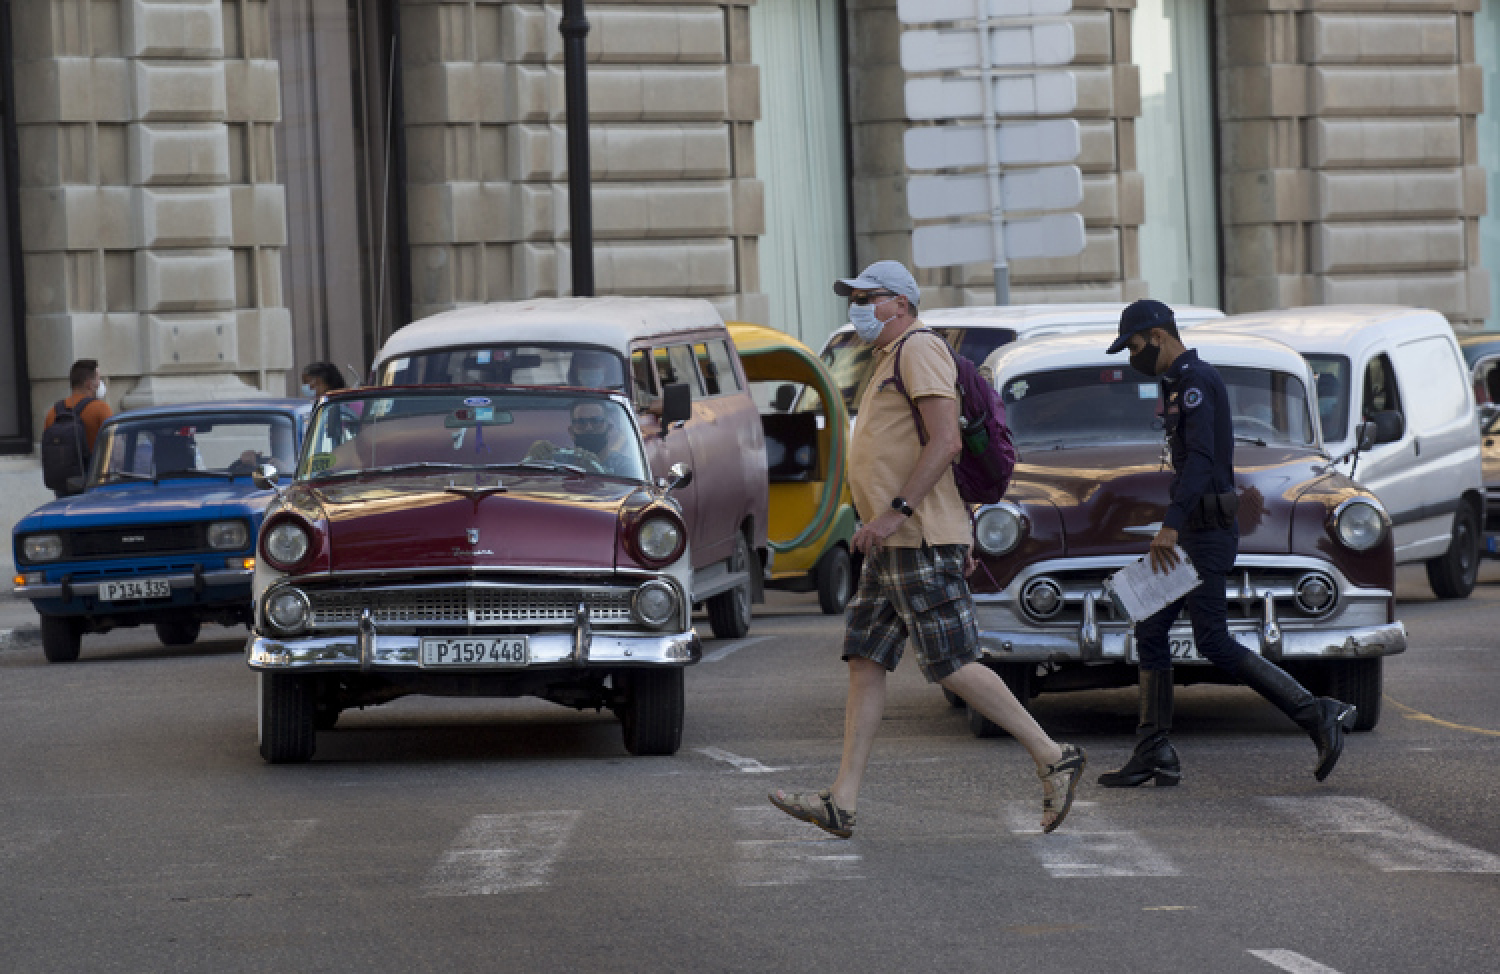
(1200, 433)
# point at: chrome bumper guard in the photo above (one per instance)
(370, 651)
(208, 580)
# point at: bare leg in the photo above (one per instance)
(983, 690)
(862, 714)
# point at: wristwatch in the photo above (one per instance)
(899, 504)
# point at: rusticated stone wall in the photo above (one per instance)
(150, 214)
(1350, 169)
(672, 101)
(1108, 87)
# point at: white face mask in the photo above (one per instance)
(866, 324)
(99, 393)
(307, 391)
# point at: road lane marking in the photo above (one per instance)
(502, 854)
(1292, 962)
(1412, 713)
(734, 647)
(747, 765)
(1087, 847)
(783, 851)
(1385, 838)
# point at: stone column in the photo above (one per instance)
(1350, 164)
(1108, 103)
(672, 101)
(128, 215)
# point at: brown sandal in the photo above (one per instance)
(819, 810)
(1063, 775)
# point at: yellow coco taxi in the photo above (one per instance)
(811, 516)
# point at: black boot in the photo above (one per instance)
(1154, 756)
(1324, 718)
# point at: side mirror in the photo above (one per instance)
(265, 476)
(1390, 426)
(786, 394)
(679, 476)
(676, 403)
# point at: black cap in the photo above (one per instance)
(1140, 316)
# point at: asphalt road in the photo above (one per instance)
(139, 830)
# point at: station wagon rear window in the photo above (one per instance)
(509, 364)
(1091, 405)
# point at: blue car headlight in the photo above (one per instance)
(228, 535)
(42, 547)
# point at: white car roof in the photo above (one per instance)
(1026, 318)
(1333, 329)
(610, 322)
(1222, 347)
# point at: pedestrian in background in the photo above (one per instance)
(321, 378)
(1201, 518)
(71, 427)
(915, 535)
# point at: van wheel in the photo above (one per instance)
(62, 637)
(835, 580)
(1020, 678)
(651, 716)
(1452, 576)
(1360, 682)
(286, 728)
(729, 612)
(178, 632)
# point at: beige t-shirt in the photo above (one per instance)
(885, 446)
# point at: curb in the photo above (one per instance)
(20, 638)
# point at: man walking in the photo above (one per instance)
(72, 426)
(1201, 519)
(915, 534)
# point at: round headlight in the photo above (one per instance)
(228, 535)
(998, 529)
(655, 604)
(659, 538)
(286, 544)
(287, 609)
(1360, 525)
(42, 547)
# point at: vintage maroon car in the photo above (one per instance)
(472, 541)
(1314, 580)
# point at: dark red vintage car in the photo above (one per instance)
(472, 541)
(1314, 581)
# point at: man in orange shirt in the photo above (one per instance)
(86, 383)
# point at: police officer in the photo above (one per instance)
(1200, 518)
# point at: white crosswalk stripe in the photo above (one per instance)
(1382, 836)
(784, 852)
(1292, 962)
(502, 854)
(1088, 846)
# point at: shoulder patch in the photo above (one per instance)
(1192, 398)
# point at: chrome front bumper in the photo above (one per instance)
(369, 651)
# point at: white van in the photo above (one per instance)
(1396, 378)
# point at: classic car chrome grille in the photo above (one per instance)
(465, 606)
(1245, 590)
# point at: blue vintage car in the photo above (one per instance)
(164, 534)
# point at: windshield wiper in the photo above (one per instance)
(193, 473)
(423, 465)
(1241, 438)
(118, 475)
(546, 465)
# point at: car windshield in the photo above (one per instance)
(1332, 374)
(556, 364)
(1114, 404)
(851, 360)
(197, 445)
(471, 429)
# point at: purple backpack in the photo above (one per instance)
(982, 471)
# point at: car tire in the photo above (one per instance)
(287, 734)
(729, 612)
(62, 638)
(835, 575)
(1360, 682)
(178, 632)
(1452, 576)
(651, 716)
(1020, 679)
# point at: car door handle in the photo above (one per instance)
(1416, 446)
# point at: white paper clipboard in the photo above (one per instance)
(1140, 592)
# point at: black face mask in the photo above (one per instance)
(1146, 359)
(592, 442)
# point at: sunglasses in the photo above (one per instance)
(868, 296)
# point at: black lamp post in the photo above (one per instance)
(574, 28)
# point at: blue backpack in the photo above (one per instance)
(982, 471)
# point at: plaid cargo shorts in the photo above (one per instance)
(919, 592)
